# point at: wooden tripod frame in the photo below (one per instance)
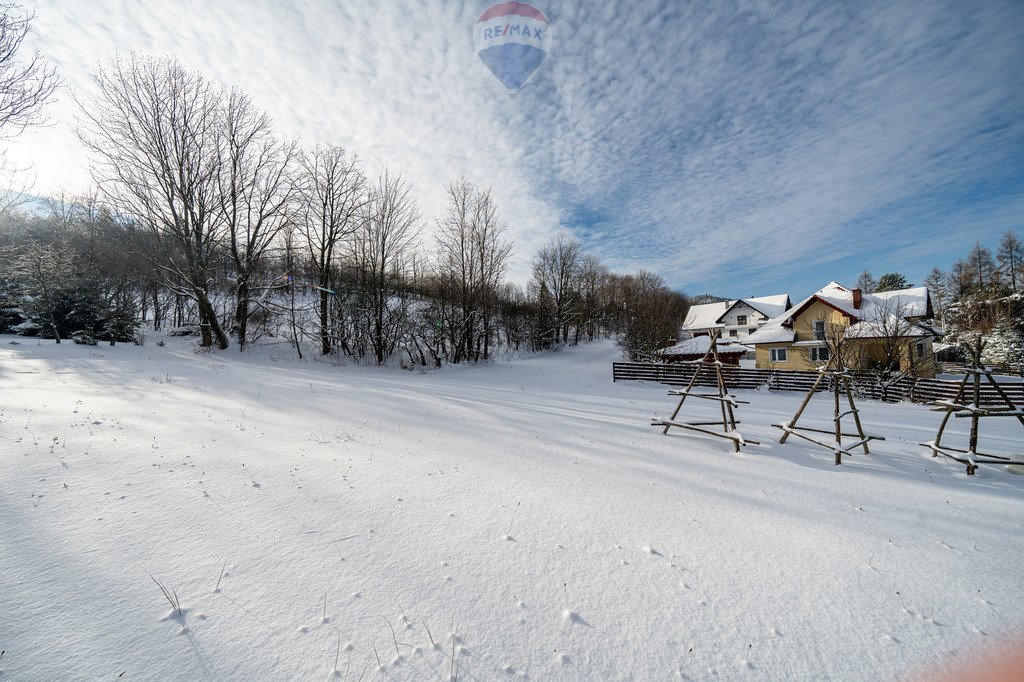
(833, 368)
(973, 411)
(725, 401)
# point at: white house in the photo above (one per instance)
(735, 319)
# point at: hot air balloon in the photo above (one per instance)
(512, 40)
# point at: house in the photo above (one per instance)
(734, 319)
(877, 330)
(694, 349)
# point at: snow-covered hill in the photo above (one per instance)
(516, 520)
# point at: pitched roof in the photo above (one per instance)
(699, 345)
(869, 320)
(772, 331)
(709, 315)
(705, 316)
(769, 306)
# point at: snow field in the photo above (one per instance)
(517, 520)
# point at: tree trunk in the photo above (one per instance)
(210, 326)
(325, 339)
(241, 313)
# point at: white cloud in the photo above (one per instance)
(677, 131)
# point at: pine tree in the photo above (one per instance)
(892, 281)
(866, 283)
(1011, 259)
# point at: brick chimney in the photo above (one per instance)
(856, 299)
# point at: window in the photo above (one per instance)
(920, 350)
(819, 330)
(741, 320)
(733, 333)
(780, 355)
(819, 355)
(752, 330)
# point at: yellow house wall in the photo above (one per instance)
(799, 357)
(804, 325)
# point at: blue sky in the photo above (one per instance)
(740, 148)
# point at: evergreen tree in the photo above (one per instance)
(1011, 259)
(892, 281)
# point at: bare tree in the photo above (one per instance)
(492, 252)
(556, 270)
(653, 314)
(887, 341)
(26, 81)
(332, 194)
(594, 278)
(380, 254)
(154, 132)
(866, 282)
(254, 192)
(1011, 257)
(982, 265)
(472, 257)
(937, 282)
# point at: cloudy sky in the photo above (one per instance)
(742, 148)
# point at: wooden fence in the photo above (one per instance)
(866, 384)
(999, 368)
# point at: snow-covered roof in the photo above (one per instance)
(772, 331)
(909, 302)
(699, 345)
(771, 306)
(705, 316)
(888, 328)
(709, 315)
(876, 315)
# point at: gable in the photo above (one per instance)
(815, 304)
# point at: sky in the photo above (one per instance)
(743, 149)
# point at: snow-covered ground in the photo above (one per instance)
(525, 512)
